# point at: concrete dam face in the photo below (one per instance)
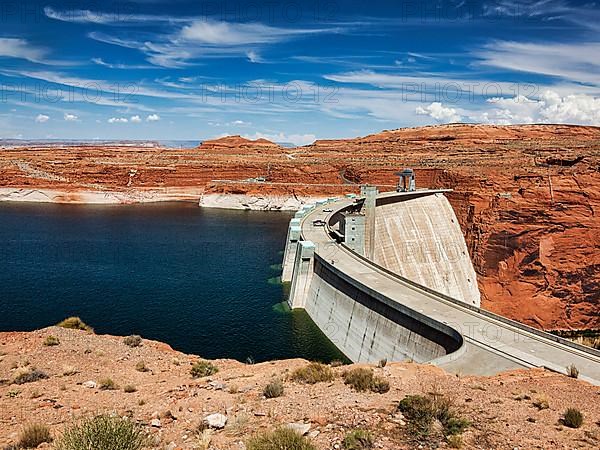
(420, 239)
(389, 276)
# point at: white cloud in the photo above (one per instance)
(439, 112)
(20, 48)
(201, 37)
(103, 63)
(577, 62)
(118, 120)
(78, 16)
(215, 32)
(42, 118)
(153, 118)
(71, 117)
(253, 57)
(526, 8)
(550, 108)
(135, 119)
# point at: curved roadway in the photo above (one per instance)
(491, 343)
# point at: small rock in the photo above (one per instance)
(155, 423)
(260, 414)
(171, 446)
(90, 384)
(218, 386)
(313, 434)
(300, 428)
(217, 420)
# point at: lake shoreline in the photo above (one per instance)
(254, 202)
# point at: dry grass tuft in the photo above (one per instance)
(74, 323)
(313, 373)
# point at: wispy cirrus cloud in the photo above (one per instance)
(181, 41)
(577, 62)
(101, 62)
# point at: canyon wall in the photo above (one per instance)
(527, 197)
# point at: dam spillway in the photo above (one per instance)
(408, 289)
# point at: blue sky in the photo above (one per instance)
(292, 71)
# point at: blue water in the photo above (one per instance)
(200, 280)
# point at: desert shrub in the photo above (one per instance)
(541, 402)
(29, 376)
(572, 371)
(313, 373)
(33, 435)
(133, 341)
(363, 379)
(273, 389)
(281, 438)
(360, 378)
(455, 441)
(107, 384)
(336, 363)
(380, 385)
(69, 370)
(74, 323)
(103, 433)
(455, 425)
(421, 411)
(358, 440)
(51, 340)
(237, 424)
(129, 388)
(140, 366)
(203, 369)
(572, 418)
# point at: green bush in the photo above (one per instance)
(363, 379)
(358, 440)
(313, 373)
(203, 369)
(74, 323)
(273, 389)
(572, 418)
(280, 439)
(51, 340)
(29, 376)
(103, 433)
(33, 435)
(133, 341)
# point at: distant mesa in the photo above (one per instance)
(228, 143)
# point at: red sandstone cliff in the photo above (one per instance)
(527, 197)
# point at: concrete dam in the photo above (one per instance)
(388, 275)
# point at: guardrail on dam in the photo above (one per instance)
(390, 277)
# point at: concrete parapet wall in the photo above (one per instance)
(367, 327)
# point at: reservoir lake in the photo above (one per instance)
(205, 281)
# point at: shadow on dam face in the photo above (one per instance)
(394, 328)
